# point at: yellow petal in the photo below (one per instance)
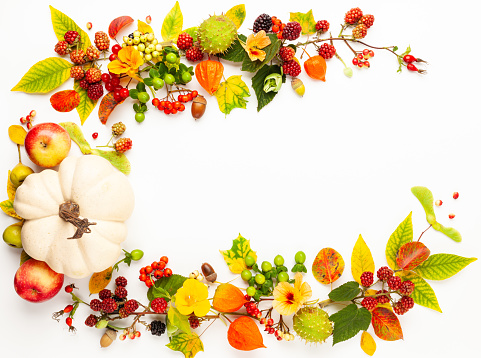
(297, 281)
(262, 40)
(282, 289)
(201, 308)
(285, 308)
(250, 41)
(118, 67)
(305, 292)
(256, 54)
(184, 309)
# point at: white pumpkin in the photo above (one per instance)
(104, 197)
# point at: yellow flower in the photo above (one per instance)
(288, 299)
(129, 60)
(255, 43)
(192, 297)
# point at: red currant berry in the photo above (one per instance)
(188, 97)
(117, 88)
(116, 48)
(162, 265)
(371, 53)
(455, 195)
(355, 61)
(270, 322)
(109, 87)
(143, 277)
(115, 81)
(365, 52)
(158, 274)
(451, 216)
(105, 77)
(112, 57)
(95, 135)
(169, 106)
(155, 265)
(142, 270)
(124, 92)
(118, 97)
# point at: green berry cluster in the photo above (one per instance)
(148, 46)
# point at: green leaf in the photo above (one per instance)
(423, 293)
(235, 257)
(236, 53)
(86, 105)
(172, 25)
(402, 235)
(44, 76)
(443, 266)
(24, 257)
(237, 14)
(306, 20)
(449, 232)
(118, 160)
(178, 320)
(231, 93)
(345, 292)
(349, 321)
(187, 343)
(271, 51)
(77, 136)
(192, 31)
(62, 23)
(425, 196)
(264, 98)
(166, 287)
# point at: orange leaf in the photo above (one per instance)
(228, 298)
(208, 74)
(65, 101)
(315, 68)
(100, 280)
(106, 107)
(243, 334)
(411, 255)
(118, 24)
(328, 266)
(368, 344)
(386, 324)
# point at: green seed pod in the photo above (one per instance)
(298, 86)
(273, 82)
(312, 324)
(348, 71)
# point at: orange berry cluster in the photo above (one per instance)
(155, 271)
(277, 26)
(361, 60)
(29, 119)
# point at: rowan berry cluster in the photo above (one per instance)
(28, 119)
(156, 270)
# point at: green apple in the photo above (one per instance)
(19, 173)
(12, 235)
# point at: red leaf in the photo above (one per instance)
(118, 24)
(328, 266)
(386, 324)
(106, 107)
(65, 101)
(411, 255)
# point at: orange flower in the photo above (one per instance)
(288, 299)
(129, 60)
(255, 43)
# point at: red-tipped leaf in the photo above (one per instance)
(118, 24)
(65, 101)
(411, 255)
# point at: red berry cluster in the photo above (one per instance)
(194, 54)
(28, 119)
(403, 305)
(102, 40)
(353, 16)
(155, 271)
(287, 53)
(322, 26)
(252, 309)
(327, 51)
(367, 278)
(159, 305)
(71, 37)
(185, 41)
(173, 107)
(361, 60)
(292, 31)
(277, 26)
(291, 68)
(123, 144)
(361, 22)
(194, 322)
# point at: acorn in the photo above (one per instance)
(198, 107)
(209, 273)
(109, 336)
(298, 86)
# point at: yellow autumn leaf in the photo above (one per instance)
(143, 27)
(17, 134)
(237, 14)
(368, 344)
(11, 190)
(235, 257)
(231, 93)
(99, 280)
(361, 259)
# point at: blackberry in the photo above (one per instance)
(102, 40)
(394, 283)
(62, 48)
(94, 92)
(92, 53)
(91, 320)
(184, 41)
(367, 278)
(77, 72)
(353, 15)
(194, 322)
(406, 288)
(369, 303)
(157, 328)
(384, 273)
(118, 129)
(384, 298)
(322, 26)
(407, 302)
(95, 305)
(194, 54)
(121, 292)
(159, 305)
(78, 57)
(291, 68)
(292, 31)
(131, 305)
(263, 22)
(71, 37)
(287, 53)
(109, 305)
(360, 31)
(105, 293)
(327, 51)
(123, 145)
(121, 280)
(84, 84)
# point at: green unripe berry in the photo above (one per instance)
(137, 254)
(141, 47)
(283, 276)
(150, 37)
(266, 266)
(169, 79)
(171, 57)
(143, 38)
(139, 117)
(260, 279)
(251, 291)
(148, 57)
(279, 260)
(186, 77)
(143, 97)
(158, 82)
(246, 275)
(250, 260)
(155, 54)
(136, 40)
(300, 257)
(137, 34)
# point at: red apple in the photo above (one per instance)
(47, 144)
(35, 281)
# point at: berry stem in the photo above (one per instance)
(424, 232)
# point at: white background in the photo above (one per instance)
(303, 174)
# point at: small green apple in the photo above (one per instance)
(19, 173)
(12, 235)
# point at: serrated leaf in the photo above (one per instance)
(426, 199)
(231, 93)
(189, 344)
(143, 27)
(118, 160)
(450, 232)
(77, 136)
(264, 98)
(236, 53)
(368, 345)
(178, 320)
(348, 322)
(423, 293)
(99, 280)
(166, 287)
(235, 257)
(24, 257)
(7, 208)
(107, 106)
(386, 324)
(44, 76)
(402, 235)
(442, 266)
(62, 23)
(328, 266)
(345, 292)
(411, 255)
(65, 101)
(306, 20)
(192, 31)
(237, 14)
(17, 134)
(361, 259)
(271, 51)
(118, 24)
(172, 25)
(86, 105)
(11, 189)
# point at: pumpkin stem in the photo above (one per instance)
(70, 212)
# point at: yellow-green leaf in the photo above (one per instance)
(426, 199)
(361, 259)
(368, 344)
(44, 76)
(7, 207)
(62, 23)
(143, 27)
(118, 160)
(77, 136)
(86, 105)
(402, 235)
(24, 257)
(237, 14)
(178, 320)
(306, 20)
(11, 189)
(187, 343)
(442, 266)
(17, 134)
(231, 93)
(99, 280)
(172, 25)
(236, 255)
(423, 293)
(448, 231)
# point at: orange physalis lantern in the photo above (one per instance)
(315, 68)
(208, 74)
(228, 298)
(243, 334)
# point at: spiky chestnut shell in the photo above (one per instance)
(216, 34)
(312, 324)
